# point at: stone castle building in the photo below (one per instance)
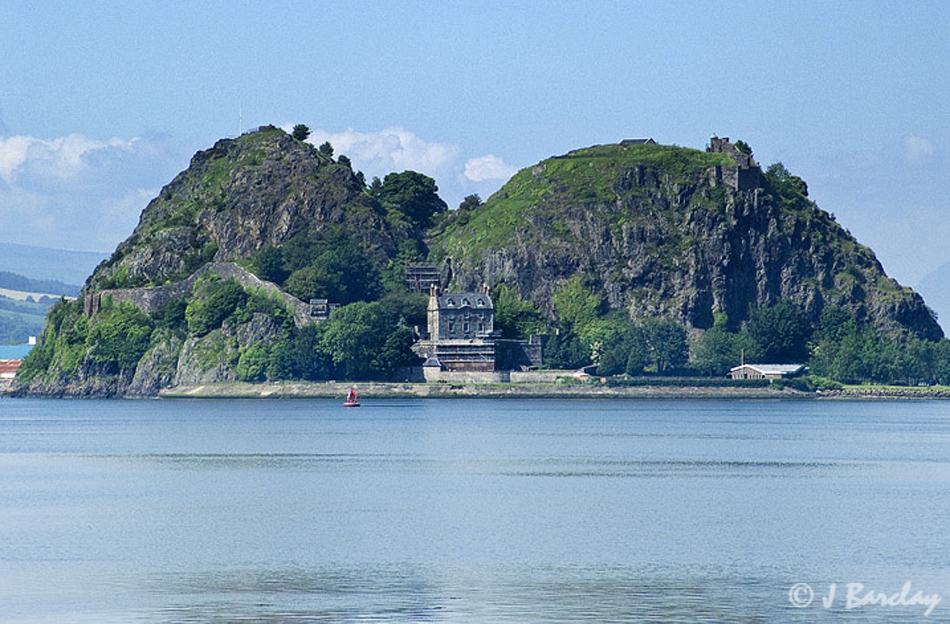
(461, 337)
(745, 175)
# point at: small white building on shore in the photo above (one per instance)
(766, 371)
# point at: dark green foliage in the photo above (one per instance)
(342, 276)
(470, 202)
(626, 353)
(514, 317)
(62, 343)
(120, 337)
(406, 307)
(743, 147)
(213, 303)
(395, 352)
(171, 315)
(329, 264)
(343, 160)
(301, 132)
(253, 363)
(776, 172)
(268, 264)
(781, 181)
(326, 149)
(358, 338)
(566, 351)
(413, 194)
(666, 347)
(781, 333)
(687, 382)
(718, 350)
(301, 356)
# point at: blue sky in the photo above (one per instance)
(102, 103)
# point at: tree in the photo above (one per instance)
(566, 351)
(781, 333)
(301, 356)
(121, 338)
(622, 350)
(470, 202)
(395, 352)
(743, 147)
(268, 263)
(253, 363)
(301, 132)
(718, 349)
(777, 172)
(576, 306)
(354, 336)
(514, 317)
(326, 149)
(345, 161)
(665, 342)
(341, 275)
(413, 194)
(214, 303)
(329, 264)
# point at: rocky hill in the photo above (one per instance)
(179, 301)
(241, 195)
(213, 284)
(674, 232)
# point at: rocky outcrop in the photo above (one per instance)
(237, 197)
(657, 233)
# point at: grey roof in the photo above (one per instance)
(771, 369)
(454, 301)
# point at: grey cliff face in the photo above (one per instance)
(688, 248)
(241, 195)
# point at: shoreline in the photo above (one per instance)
(539, 390)
(380, 390)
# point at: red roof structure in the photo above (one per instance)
(8, 368)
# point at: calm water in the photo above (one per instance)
(470, 511)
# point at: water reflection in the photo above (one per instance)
(466, 511)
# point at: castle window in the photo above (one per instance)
(465, 302)
(465, 327)
(450, 302)
(451, 327)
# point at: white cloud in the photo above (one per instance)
(918, 150)
(488, 167)
(64, 158)
(77, 192)
(389, 150)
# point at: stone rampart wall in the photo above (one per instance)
(150, 299)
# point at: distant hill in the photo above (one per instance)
(41, 263)
(14, 281)
(24, 303)
(935, 289)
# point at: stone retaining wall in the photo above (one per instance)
(150, 299)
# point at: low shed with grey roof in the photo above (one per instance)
(766, 371)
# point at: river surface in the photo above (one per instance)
(474, 511)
